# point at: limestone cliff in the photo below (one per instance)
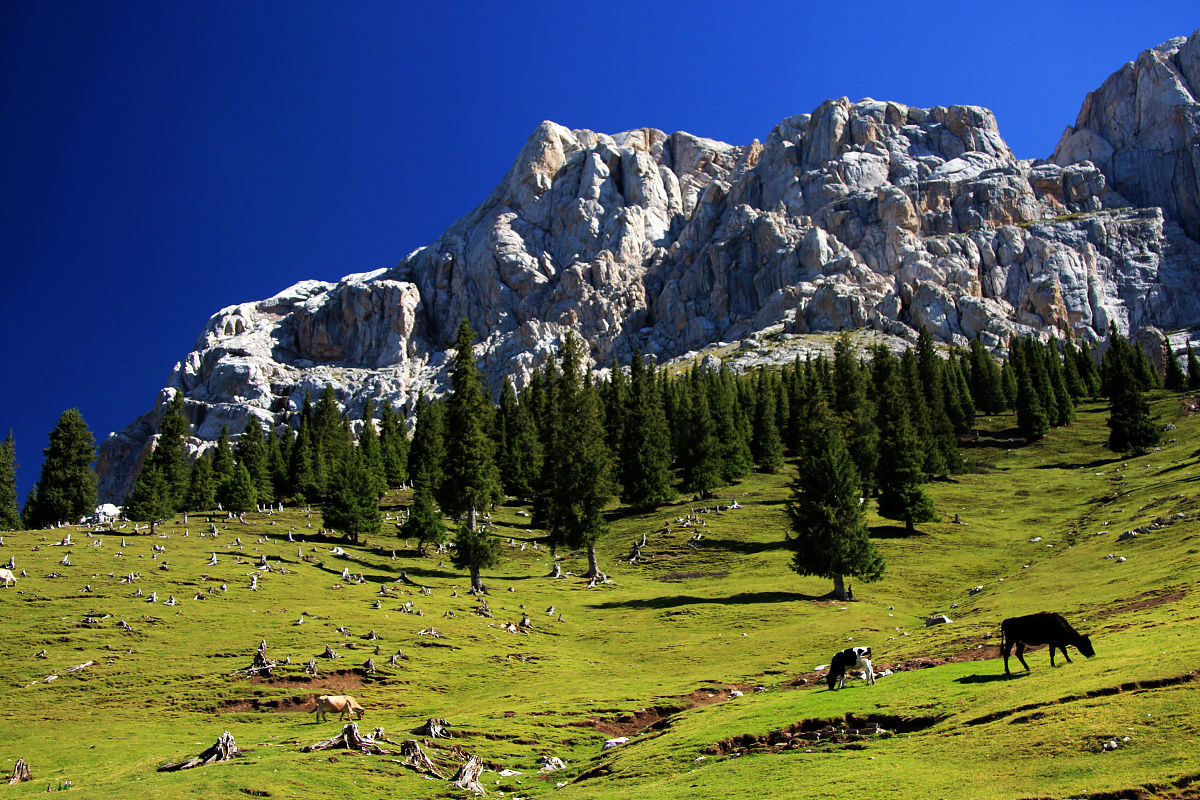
(858, 215)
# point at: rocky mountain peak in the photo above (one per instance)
(859, 215)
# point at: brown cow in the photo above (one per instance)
(342, 704)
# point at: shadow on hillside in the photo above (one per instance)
(894, 532)
(1099, 462)
(743, 598)
(990, 677)
(739, 546)
(368, 578)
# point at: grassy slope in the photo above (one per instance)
(164, 692)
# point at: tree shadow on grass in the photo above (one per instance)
(990, 677)
(1096, 464)
(894, 532)
(739, 546)
(744, 598)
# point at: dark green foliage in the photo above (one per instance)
(223, 462)
(170, 453)
(1064, 404)
(372, 452)
(428, 448)
(987, 382)
(767, 447)
(646, 447)
(353, 506)
(853, 409)
(66, 490)
(202, 489)
(900, 473)
(733, 426)
(475, 551)
(150, 500)
(829, 536)
(251, 452)
(1071, 375)
(577, 480)
(330, 436)
(1175, 380)
(700, 454)
(240, 494)
(302, 474)
(424, 521)
(1089, 373)
(10, 515)
(278, 448)
(393, 443)
(1193, 369)
(1031, 415)
(471, 477)
(1008, 383)
(520, 449)
(1131, 428)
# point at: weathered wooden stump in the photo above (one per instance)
(351, 739)
(413, 756)
(21, 772)
(434, 728)
(224, 750)
(467, 777)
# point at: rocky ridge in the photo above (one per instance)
(861, 215)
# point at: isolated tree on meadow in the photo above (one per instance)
(472, 479)
(828, 529)
(170, 454)
(10, 515)
(424, 521)
(66, 489)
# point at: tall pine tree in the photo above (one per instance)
(10, 515)
(646, 447)
(66, 490)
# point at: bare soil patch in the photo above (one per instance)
(658, 717)
(1138, 603)
(806, 734)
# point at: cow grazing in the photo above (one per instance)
(7, 576)
(1044, 628)
(342, 704)
(851, 658)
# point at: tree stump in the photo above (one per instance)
(223, 750)
(21, 772)
(434, 728)
(350, 739)
(329, 653)
(556, 572)
(467, 777)
(415, 757)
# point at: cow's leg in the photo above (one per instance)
(868, 673)
(1021, 655)
(1065, 654)
(1006, 650)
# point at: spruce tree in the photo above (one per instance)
(424, 521)
(829, 536)
(302, 477)
(393, 442)
(10, 515)
(353, 506)
(1008, 382)
(1070, 367)
(646, 448)
(150, 500)
(1193, 369)
(251, 452)
(66, 490)
(577, 480)
(767, 447)
(240, 494)
(1088, 371)
(1131, 428)
(520, 453)
(170, 452)
(900, 472)
(1064, 405)
(733, 443)
(427, 450)
(372, 452)
(1174, 380)
(853, 410)
(202, 490)
(475, 550)
(223, 462)
(1031, 415)
(472, 478)
(701, 451)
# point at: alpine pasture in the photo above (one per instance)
(703, 655)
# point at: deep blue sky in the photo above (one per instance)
(161, 160)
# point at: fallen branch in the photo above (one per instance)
(223, 750)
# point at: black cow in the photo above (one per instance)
(1044, 628)
(852, 658)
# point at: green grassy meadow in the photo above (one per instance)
(653, 656)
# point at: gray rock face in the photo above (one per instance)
(1141, 128)
(859, 215)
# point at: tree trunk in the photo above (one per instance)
(594, 565)
(415, 757)
(839, 587)
(350, 739)
(908, 526)
(477, 581)
(223, 750)
(472, 518)
(434, 728)
(20, 772)
(467, 777)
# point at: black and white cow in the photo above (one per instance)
(851, 658)
(1044, 628)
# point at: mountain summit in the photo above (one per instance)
(863, 214)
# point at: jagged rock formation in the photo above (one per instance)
(858, 215)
